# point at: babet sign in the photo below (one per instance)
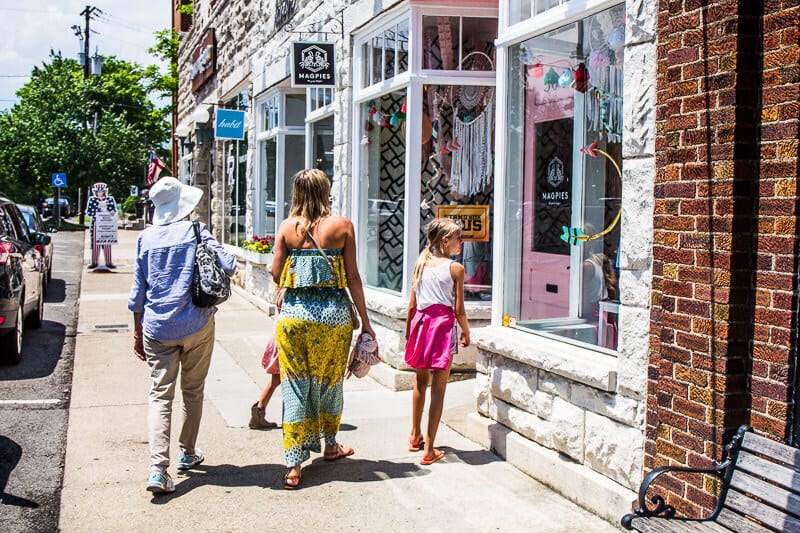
(313, 64)
(229, 124)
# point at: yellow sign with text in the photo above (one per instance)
(474, 220)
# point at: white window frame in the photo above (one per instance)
(315, 115)
(508, 37)
(412, 81)
(279, 132)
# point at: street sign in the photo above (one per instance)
(134, 190)
(59, 179)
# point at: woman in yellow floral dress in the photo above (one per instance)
(314, 330)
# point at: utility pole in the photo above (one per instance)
(87, 13)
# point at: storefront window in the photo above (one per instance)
(448, 42)
(519, 10)
(319, 98)
(407, 180)
(281, 148)
(386, 54)
(269, 171)
(322, 147)
(564, 181)
(383, 168)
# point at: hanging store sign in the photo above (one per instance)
(229, 124)
(204, 60)
(474, 220)
(313, 65)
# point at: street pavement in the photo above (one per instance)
(239, 487)
(34, 401)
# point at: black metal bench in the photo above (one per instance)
(760, 491)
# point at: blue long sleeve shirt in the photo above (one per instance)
(162, 280)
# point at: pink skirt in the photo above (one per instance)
(432, 338)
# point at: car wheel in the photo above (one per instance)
(11, 344)
(36, 317)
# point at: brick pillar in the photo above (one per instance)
(705, 231)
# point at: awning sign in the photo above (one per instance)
(229, 124)
(313, 64)
(474, 220)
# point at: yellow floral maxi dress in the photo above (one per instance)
(313, 338)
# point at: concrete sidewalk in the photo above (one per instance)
(240, 486)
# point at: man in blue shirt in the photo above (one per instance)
(170, 332)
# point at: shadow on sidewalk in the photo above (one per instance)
(270, 476)
(10, 454)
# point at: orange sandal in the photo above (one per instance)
(415, 445)
(437, 454)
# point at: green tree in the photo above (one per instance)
(96, 129)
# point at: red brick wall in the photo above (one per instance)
(724, 232)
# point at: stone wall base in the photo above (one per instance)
(574, 481)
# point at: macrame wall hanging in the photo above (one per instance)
(471, 151)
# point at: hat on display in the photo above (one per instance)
(172, 200)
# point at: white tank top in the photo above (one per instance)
(436, 286)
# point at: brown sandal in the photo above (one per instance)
(340, 452)
(295, 478)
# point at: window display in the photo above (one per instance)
(437, 163)
(458, 173)
(383, 168)
(564, 180)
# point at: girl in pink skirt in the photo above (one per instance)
(437, 303)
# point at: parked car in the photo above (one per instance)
(67, 207)
(21, 279)
(36, 224)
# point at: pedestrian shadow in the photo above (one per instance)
(470, 457)
(270, 476)
(10, 454)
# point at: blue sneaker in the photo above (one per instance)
(160, 482)
(188, 461)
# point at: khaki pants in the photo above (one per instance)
(192, 355)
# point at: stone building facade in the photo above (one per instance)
(693, 330)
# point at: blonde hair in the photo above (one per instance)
(437, 230)
(310, 198)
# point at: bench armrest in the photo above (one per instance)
(661, 508)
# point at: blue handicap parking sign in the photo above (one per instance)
(59, 179)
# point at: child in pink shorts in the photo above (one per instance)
(437, 303)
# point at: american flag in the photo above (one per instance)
(154, 168)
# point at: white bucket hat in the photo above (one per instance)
(172, 200)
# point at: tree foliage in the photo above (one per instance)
(96, 129)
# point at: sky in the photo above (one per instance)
(31, 28)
